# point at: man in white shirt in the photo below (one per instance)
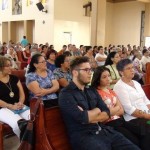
(100, 56)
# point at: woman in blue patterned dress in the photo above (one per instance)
(41, 81)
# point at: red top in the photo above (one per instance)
(110, 99)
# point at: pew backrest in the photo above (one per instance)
(50, 130)
(146, 89)
(147, 74)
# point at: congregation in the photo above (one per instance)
(114, 76)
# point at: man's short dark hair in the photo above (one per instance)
(78, 61)
(64, 46)
(87, 48)
(81, 46)
(67, 53)
(122, 63)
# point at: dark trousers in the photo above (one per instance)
(136, 130)
(141, 129)
(50, 103)
(105, 140)
(119, 125)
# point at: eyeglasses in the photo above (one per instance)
(44, 61)
(8, 65)
(87, 70)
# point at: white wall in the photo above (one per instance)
(127, 23)
(43, 32)
(123, 21)
(69, 17)
(109, 23)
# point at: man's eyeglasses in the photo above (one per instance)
(44, 61)
(88, 70)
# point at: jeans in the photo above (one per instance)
(105, 140)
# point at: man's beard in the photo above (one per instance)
(80, 80)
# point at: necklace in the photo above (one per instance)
(11, 94)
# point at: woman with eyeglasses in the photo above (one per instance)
(134, 101)
(41, 81)
(12, 97)
(62, 71)
(101, 81)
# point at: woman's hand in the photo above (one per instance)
(42, 92)
(13, 106)
(20, 105)
(16, 106)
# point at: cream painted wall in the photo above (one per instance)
(101, 22)
(126, 23)
(122, 22)
(109, 23)
(69, 17)
(20, 32)
(43, 32)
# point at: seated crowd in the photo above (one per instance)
(97, 89)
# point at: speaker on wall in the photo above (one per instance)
(40, 6)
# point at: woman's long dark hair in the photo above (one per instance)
(34, 60)
(109, 57)
(97, 75)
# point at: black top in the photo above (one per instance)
(4, 90)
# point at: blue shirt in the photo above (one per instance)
(50, 66)
(24, 42)
(59, 73)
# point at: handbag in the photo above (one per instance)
(27, 129)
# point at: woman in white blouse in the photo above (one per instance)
(134, 101)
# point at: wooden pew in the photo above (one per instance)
(4, 130)
(20, 58)
(147, 75)
(20, 74)
(146, 89)
(50, 131)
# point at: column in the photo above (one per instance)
(93, 36)
(147, 20)
(101, 22)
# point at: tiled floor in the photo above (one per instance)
(11, 143)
